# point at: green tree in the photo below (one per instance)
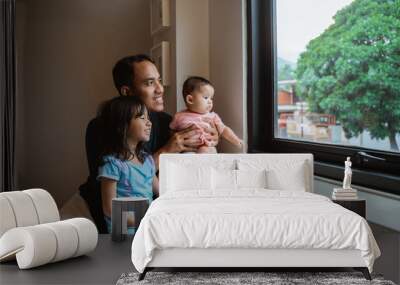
(352, 70)
(286, 72)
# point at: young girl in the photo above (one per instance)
(125, 169)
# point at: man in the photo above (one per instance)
(138, 76)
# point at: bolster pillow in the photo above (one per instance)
(40, 244)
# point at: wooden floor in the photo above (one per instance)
(389, 262)
(110, 260)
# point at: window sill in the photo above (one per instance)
(359, 188)
(367, 179)
(386, 183)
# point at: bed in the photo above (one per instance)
(247, 210)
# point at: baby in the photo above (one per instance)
(198, 95)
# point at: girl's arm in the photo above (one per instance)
(108, 192)
(156, 187)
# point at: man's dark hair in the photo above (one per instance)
(193, 83)
(123, 71)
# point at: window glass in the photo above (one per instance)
(338, 77)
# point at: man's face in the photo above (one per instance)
(148, 86)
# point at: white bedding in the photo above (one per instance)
(250, 218)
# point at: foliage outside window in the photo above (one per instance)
(323, 79)
(344, 86)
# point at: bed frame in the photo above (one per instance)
(242, 259)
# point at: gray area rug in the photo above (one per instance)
(225, 278)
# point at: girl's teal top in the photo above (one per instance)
(133, 180)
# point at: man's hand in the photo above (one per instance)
(212, 136)
(189, 138)
(185, 140)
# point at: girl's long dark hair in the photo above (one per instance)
(115, 116)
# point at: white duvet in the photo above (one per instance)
(251, 218)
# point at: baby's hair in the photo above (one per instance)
(193, 83)
(115, 116)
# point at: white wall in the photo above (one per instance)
(192, 42)
(67, 51)
(169, 35)
(227, 66)
(207, 39)
(188, 36)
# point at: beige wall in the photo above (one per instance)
(67, 50)
(20, 106)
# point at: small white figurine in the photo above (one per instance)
(347, 174)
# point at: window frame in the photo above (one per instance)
(369, 169)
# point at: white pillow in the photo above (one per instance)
(289, 178)
(281, 174)
(251, 178)
(188, 177)
(224, 179)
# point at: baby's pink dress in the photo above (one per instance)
(186, 118)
